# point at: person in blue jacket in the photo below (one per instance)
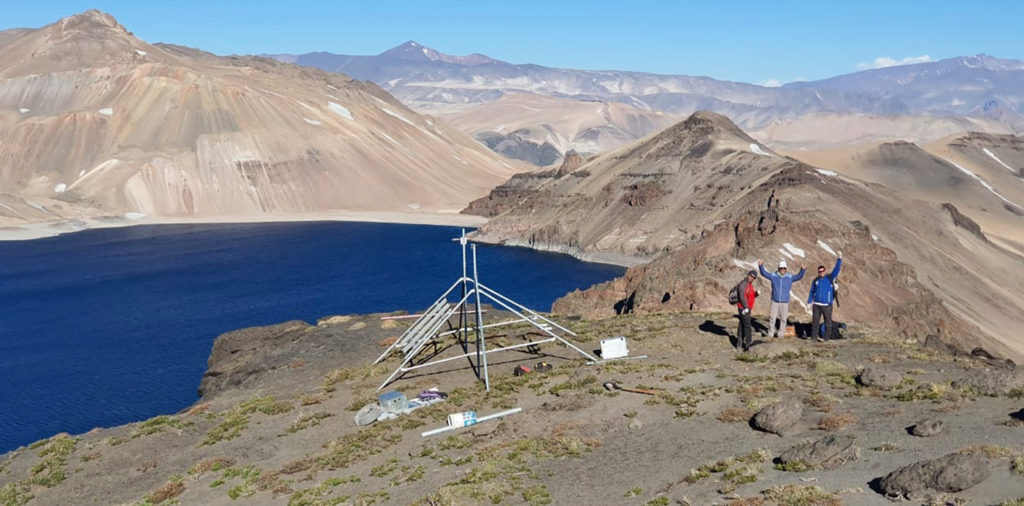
(821, 298)
(782, 282)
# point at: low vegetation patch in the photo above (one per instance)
(16, 493)
(52, 468)
(734, 471)
(344, 374)
(169, 490)
(837, 421)
(358, 446)
(793, 466)
(798, 495)
(236, 419)
(588, 384)
(736, 415)
(322, 493)
(212, 464)
(307, 421)
(159, 424)
(503, 468)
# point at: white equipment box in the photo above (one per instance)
(614, 347)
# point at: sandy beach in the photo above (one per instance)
(54, 228)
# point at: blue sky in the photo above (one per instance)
(743, 41)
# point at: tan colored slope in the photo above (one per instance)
(959, 175)
(699, 199)
(828, 131)
(94, 117)
(642, 198)
(567, 124)
(909, 266)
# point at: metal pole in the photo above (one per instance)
(481, 345)
(464, 316)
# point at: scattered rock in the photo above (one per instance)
(388, 341)
(880, 378)
(332, 320)
(992, 382)
(928, 427)
(826, 453)
(388, 324)
(635, 424)
(773, 349)
(779, 418)
(357, 326)
(952, 473)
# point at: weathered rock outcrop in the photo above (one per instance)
(952, 473)
(880, 378)
(826, 453)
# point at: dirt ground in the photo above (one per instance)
(285, 435)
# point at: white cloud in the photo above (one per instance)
(885, 61)
(775, 83)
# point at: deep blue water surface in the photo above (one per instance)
(105, 327)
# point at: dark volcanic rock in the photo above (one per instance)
(826, 453)
(779, 418)
(881, 378)
(246, 359)
(928, 427)
(952, 473)
(991, 381)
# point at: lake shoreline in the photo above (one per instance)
(44, 230)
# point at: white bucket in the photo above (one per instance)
(463, 419)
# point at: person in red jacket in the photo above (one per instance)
(745, 306)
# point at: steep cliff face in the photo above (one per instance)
(98, 119)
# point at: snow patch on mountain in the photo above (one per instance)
(340, 110)
(794, 250)
(389, 112)
(984, 183)
(107, 111)
(996, 158)
(826, 247)
(756, 149)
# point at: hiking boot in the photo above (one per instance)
(820, 339)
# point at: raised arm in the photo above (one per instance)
(764, 272)
(835, 272)
(800, 275)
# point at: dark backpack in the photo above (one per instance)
(734, 294)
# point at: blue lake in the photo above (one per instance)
(104, 327)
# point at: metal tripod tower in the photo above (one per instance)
(428, 327)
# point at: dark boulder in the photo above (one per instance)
(779, 418)
(952, 473)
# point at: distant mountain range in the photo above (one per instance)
(981, 87)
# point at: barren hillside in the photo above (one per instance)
(701, 200)
(94, 121)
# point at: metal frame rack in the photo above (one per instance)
(428, 327)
